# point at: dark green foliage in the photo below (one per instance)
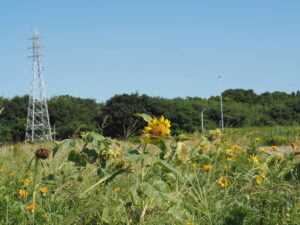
(70, 116)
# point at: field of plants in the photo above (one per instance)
(244, 176)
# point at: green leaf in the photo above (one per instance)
(168, 166)
(77, 158)
(67, 143)
(145, 116)
(114, 212)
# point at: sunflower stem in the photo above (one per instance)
(142, 180)
(35, 176)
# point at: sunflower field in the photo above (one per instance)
(212, 178)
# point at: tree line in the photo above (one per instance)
(115, 118)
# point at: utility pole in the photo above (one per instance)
(38, 124)
(221, 103)
(202, 109)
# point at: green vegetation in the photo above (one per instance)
(115, 118)
(211, 179)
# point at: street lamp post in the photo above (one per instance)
(202, 109)
(221, 103)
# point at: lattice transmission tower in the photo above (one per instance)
(38, 124)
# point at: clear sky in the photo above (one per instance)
(168, 48)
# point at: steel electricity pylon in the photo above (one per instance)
(38, 124)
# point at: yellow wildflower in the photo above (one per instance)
(263, 150)
(223, 181)
(259, 179)
(43, 190)
(267, 160)
(117, 189)
(254, 160)
(293, 145)
(225, 168)
(236, 147)
(30, 208)
(226, 143)
(257, 139)
(230, 150)
(202, 148)
(23, 193)
(157, 130)
(234, 156)
(273, 148)
(207, 167)
(26, 181)
(12, 174)
(1, 170)
(194, 165)
(229, 159)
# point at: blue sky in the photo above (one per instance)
(167, 48)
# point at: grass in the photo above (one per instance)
(96, 180)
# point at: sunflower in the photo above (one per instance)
(157, 130)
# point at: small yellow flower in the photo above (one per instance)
(23, 193)
(202, 148)
(12, 174)
(30, 208)
(1, 170)
(236, 147)
(234, 156)
(225, 168)
(230, 150)
(207, 167)
(43, 190)
(194, 165)
(263, 150)
(229, 159)
(226, 143)
(117, 189)
(259, 179)
(26, 181)
(254, 160)
(257, 139)
(293, 145)
(223, 181)
(273, 148)
(267, 160)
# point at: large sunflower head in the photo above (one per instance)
(157, 130)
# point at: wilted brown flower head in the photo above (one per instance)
(42, 153)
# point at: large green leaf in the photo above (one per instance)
(168, 166)
(145, 116)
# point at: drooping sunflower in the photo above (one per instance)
(157, 130)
